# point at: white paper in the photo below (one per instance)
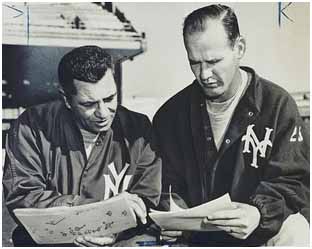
(62, 224)
(190, 219)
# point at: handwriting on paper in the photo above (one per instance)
(64, 224)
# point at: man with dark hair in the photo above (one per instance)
(232, 131)
(84, 149)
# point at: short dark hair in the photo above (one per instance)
(87, 63)
(196, 21)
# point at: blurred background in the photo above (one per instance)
(146, 42)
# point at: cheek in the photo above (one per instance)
(112, 106)
(195, 70)
(225, 71)
(85, 113)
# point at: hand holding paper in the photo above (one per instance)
(136, 206)
(191, 219)
(239, 222)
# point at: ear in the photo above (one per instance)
(63, 94)
(240, 47)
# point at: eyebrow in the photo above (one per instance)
(208, 61)
(110, 97)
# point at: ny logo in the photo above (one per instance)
(251, 139)
(118, 179)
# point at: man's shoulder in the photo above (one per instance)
(41, 112)
(177, 102)
(273, 88)
(130, 115)
(267, 92)
(274, 93)
(275, 99)
(133, 123)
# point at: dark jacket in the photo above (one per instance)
(263, 160)
(46, 164)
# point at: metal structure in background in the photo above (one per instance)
(37, 35)
(303, 101)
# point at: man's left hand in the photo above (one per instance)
(239, 222)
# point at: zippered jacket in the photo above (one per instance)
(263, 160)
(46, 163)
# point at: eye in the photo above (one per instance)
(88, 104)
(213, 62)
(192, 63)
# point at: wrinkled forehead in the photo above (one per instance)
(104, 88)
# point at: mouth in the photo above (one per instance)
(102, 122)
(210, 84)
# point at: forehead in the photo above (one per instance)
(95, 91)
(213, 38)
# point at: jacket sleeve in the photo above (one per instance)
(172, 175)
(284, 187)
(147, 178)
(24, 177)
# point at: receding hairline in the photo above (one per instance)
(205, 29)
(187, 26)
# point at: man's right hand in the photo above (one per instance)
(136, 204)
(169, 236)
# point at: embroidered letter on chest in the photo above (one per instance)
(257, 146)
(120, 181)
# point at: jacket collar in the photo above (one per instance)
(252, 97)
(245, 113)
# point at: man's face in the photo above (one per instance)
(95, 104)
(214, 61)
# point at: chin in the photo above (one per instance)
(213, 96)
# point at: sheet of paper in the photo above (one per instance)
(191, 219)
(173, 205)
(62, 224)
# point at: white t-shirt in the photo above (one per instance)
(220, 113)
(89, 140)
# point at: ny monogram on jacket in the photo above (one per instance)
(113, 186)
(250, 138)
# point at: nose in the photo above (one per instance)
(102, 110)
(205, 71)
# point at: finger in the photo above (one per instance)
(138, 211)
(226, 223)
(100, 241)
(169, 239)
(139, 201)
(232, 230)
(78, 242)
(237, 235)
(171, 233)
(81, 242)
(226, 214)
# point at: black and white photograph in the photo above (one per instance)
(129, 124)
